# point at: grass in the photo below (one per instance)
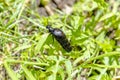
(28, 51)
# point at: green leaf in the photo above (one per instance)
(41, 42)
(10, 72)
(22, 47)
(28, 73)
(68, 66)
(61, 72)
(106, 16)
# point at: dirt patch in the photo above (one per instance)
(54, 5)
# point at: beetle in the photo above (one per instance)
(60, 37)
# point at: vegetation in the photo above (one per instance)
(29, 52)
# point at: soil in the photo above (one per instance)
(53, 5)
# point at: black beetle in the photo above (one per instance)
(60, 37)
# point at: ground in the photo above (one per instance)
(29, 52)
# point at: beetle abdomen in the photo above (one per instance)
(60, 37)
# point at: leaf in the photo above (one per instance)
(41, 42)
(21, 47)
(51, 77)
(10, 72)
(28, 73)
(68, 66)
(61, 72)
(106, 16)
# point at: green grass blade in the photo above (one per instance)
(28, 73)
(68, 66)
(10, 72)
(41, 42)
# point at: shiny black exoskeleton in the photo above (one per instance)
(60, 37)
